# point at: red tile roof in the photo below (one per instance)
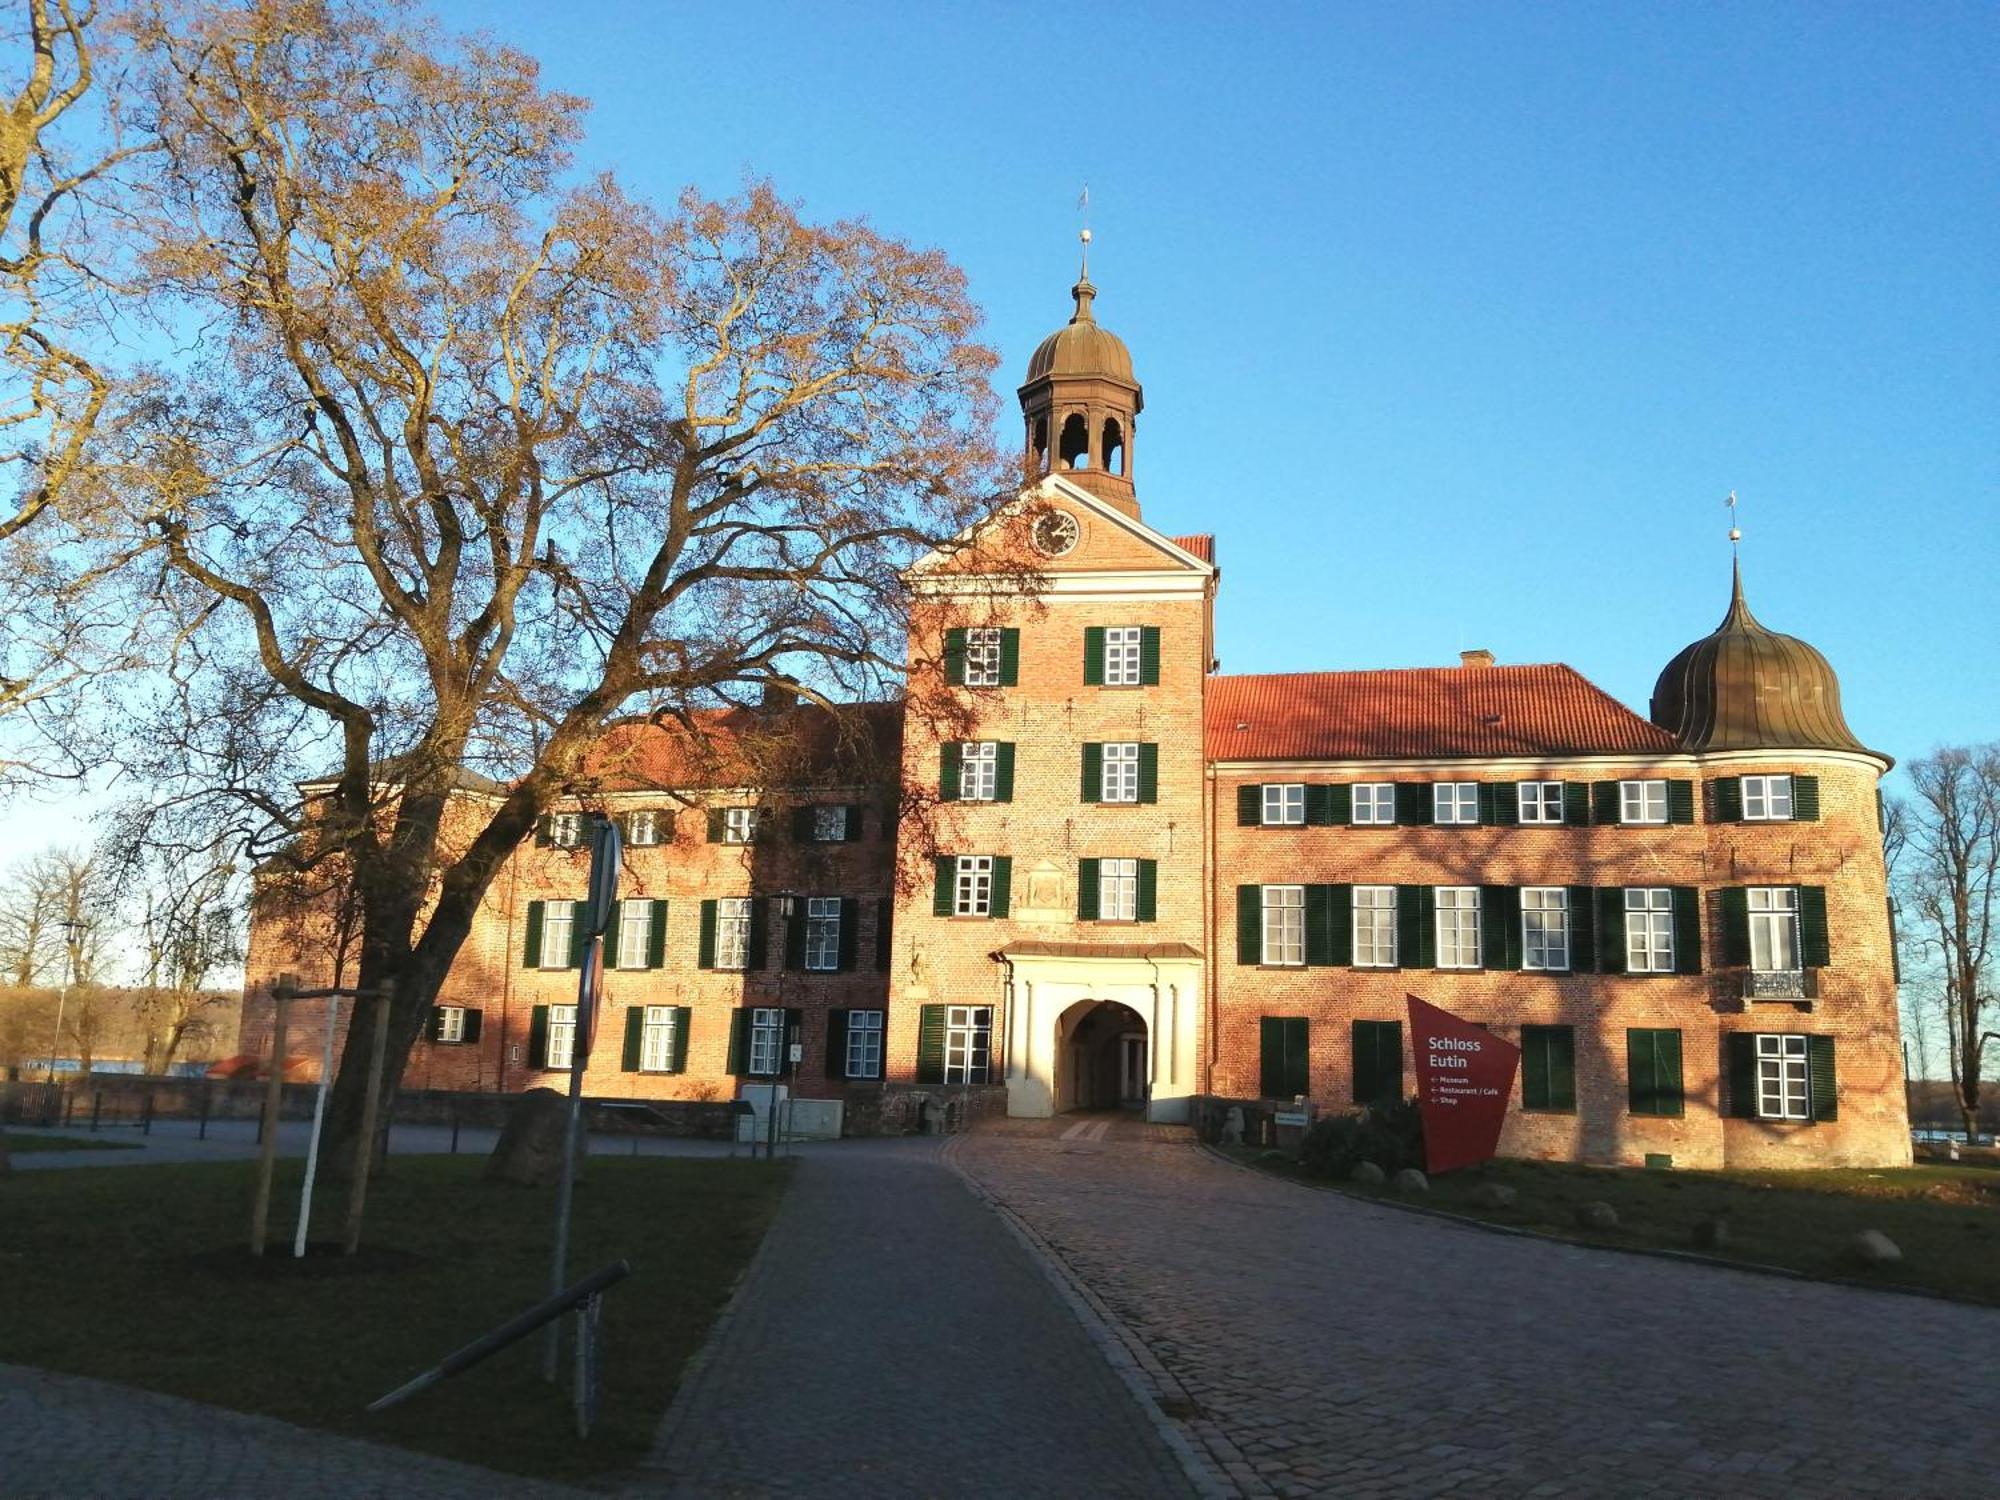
(1421, 713)
(1202, 545)
(796, 747)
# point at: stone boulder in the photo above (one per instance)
(1872, 1247)
(1711, 1234)
(529, 1151)
(1410, 1180)
(1367, 1174)
(1596, 1216)
(1494, 1195)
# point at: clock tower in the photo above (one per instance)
(1081, 404)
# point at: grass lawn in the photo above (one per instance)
(137, 1275)
(21, 1144)
(1945, 1219)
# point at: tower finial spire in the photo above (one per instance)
(1083, 291)
(1735, 535)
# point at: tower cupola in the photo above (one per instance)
(1081, 403)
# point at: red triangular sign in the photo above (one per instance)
(1465, 1076)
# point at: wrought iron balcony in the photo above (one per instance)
(1781, 984)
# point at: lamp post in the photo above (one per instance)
(71, 927)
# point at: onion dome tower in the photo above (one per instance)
(1744, 687)
(1081, 403)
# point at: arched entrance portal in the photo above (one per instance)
(1101, 1057)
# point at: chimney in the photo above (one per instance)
(1475, 658)
(779, 694)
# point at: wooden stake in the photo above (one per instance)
(364, 1152)
(267, 1159)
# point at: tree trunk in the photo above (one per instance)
(416, 992)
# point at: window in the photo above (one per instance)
(864, 1044)
(1544, 927)
(1649, 930)
(1121, 656)
(739, 825)
(656, 1040)
(968, 1042)
(1284, 1062)
(1118, 890)
(823, 933)
(635, 934)
(451, 1023)
(1548, 1067)
(1455, 802)
(1458, 927)
(1774, 928)
(829, 825)
(1285, 804)
(767, 1040)
(982, 657)
(972, 892)
(1284, 924)
(732, 932)
(1767, 798)
(1642, 802)
(1540, 801)
(1653, 1072)
(1120, 776)
(558, 933)
(1375, 926)
(1782, 1090)
(1378, 1062)
(566, 829)
(1375, 802)
(978, 771)
(562, 1036)
(642, 827)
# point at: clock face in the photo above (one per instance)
(1055, 532)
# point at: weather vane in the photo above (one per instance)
(1083, 210)
(1735, 535)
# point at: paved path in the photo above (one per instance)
(894, 1338)
(1330, 1347)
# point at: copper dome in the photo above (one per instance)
(1082, 348)
(1744, 687)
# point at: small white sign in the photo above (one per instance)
(1291, 1117)
(798, 1052)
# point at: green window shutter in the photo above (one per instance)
(1319, 925)
(1534, 1068)
(1653, 1071)
(1427, 926)
(1487, 799)
(1548, 1067)
(1416, 926)
(1378, 1062)
(1815, 946)
(656, 936)
(1093, 772)
(1680, 801)
(1086, 890)
(1010, 657)
(1582, 929)
(1687, 930)
(579, 939)
(1340, 922)
(1003, 883)
(715, 825)
(1805, 798)
(474, 1024)
(1604, 804)
(1249, 806)
(611, 934)
(1640, 1086)
(930, 1045)
(1298, 1063)
(739, 1042)
(885, 926)
(705, 957)
(1562, 1067)
(1506, 804)
(1735, 927)
(1728, 791)
(1895, 946)
(836, 1044)
(1611, 929)
(954, 656)
(852, 831)
(949, 755)
(1093, 656)
(1576, 803)
(545, 831)
(1149, 772)
(1740, 1062)
(1250, 924)
(1340, 804)
(1319, 806)
(531, 950)
(1003, 771)
(942, 892)
(677, 1055)
(803, 823)
(1499, 927)
(434, 1028)
(1414, 805)
(1668, 1072)
(850, 932)
(1284, 1066)
(1825, 1095)
(759, 923)
(538, 1037)
(1149, 889)
(635, 1027)
(1149, 655)
(795, 935)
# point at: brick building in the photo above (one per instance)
(1078, 868)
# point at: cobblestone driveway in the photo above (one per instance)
(1333, 1347)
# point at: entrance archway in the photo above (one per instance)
(1102, 1057)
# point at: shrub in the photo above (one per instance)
(1389, 1135)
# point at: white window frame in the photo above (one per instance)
(1374, 927)
(561, 1037)
(642, 828)
(822, 916)
(830, 823)
(982, 656)
(1118, 890)
(733, 915)
(1377, 799)
(656, 1039)
(865, 1030)
(451, 1023)
(635, 935)
(978, 770)
(1539, 802)
(739, 825)
(557, 917)
(1767, 799)
(1283, 804)
(1118, 773)
(972, 886)
(1639, 800)
(1784, 1076)
(968, 1044)
(566, 830)
(1545, 928)
(1284, 926)
(1122, 662)
(1774, 929)
(1455, 802)
(1649, 929)
(767, 1041)
(1457, 926)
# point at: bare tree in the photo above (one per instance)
(470, 463)
(1948, 875)
(190, 925)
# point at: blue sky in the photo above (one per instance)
(1456, 322)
